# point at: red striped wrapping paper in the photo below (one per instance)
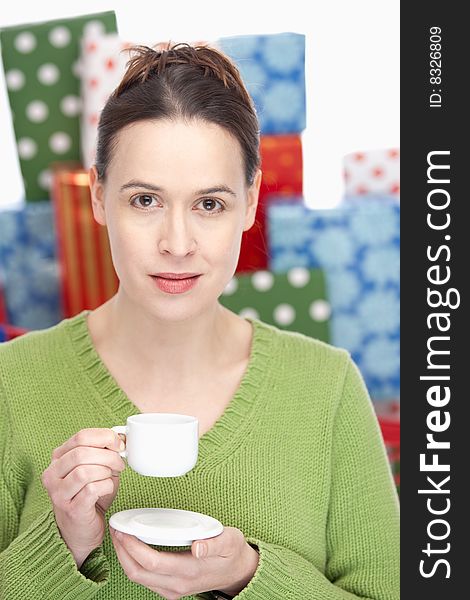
(87, 273)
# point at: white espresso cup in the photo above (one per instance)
(160, 444)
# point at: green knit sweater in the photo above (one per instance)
(296, 462)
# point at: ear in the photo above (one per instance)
(252, 200)
(97, 196)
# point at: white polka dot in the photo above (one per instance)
(48, 74)
(231, 287)
(27, 148)
(284, 314)
(45, 179)
(320, 310)
(59, 37)
(60, 142)
(298, 276)
(262, 281)
(71, 106)
(25, 42)
(93, 29)
(15, 79)
(249, 312)
(37, 111)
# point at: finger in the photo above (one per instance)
(89, 495)
(172, 564)
(96, 437)
(84, 455)
(136, 572)
(81, 476)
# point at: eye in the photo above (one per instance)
(208, 202)
(147, 199)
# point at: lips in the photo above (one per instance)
(176, 275)
(175, 285)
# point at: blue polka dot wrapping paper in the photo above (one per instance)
(41, 64)
(273, 69)
(358, 247)
(29, 271)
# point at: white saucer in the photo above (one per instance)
(166, 526)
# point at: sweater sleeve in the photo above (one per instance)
(362, 534)
(37, 563)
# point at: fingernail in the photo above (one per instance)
(201, 550)
(122, 446)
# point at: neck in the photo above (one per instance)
(178, 349)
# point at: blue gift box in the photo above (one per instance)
(28, 266)
(273, 69)
(357, 245)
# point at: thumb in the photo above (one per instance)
(210, 546)
(199, 549)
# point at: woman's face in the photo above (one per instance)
(175, 201)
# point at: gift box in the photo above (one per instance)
(379, 198)
(272, 67)
(40, 62)
(296, 300)
(375, 172)
(103, 59)
(29, 266)
(87, 275)
(358, 249)
(281, 164)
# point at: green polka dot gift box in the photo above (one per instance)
(296, 300)
(41, 63)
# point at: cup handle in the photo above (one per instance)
(121, 429)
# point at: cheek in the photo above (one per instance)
(127, 248)
(223, 245)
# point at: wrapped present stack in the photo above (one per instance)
(42, 73)
(358, 249)
(273, 70)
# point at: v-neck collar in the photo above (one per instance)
(238, 418)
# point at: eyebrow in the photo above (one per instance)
(155, 188)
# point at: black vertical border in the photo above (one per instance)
(425, 129)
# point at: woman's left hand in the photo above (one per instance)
(228, 565)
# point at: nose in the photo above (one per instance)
(175, 236)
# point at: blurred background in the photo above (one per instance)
(323, 255)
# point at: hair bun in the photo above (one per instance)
(148, 62)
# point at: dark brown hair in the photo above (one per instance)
(182, 82)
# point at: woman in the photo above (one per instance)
(291, 459)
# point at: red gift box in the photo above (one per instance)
(281, 163)
(87, 273)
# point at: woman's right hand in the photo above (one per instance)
(82, 481)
